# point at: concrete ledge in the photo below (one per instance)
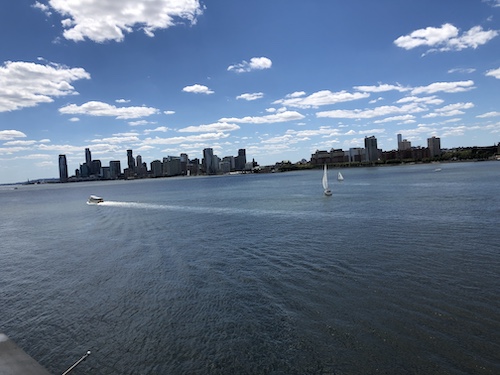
(15, 361)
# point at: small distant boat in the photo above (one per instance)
(340, 177)
(327, 190)
(94, 199)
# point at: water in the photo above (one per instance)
(396, 273)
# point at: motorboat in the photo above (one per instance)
(94, 199)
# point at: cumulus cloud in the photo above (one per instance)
(268, 119)
(6, 135)
(250, 97)
(256, 63)
(121, 101)
(105, 20)
(95, 108)
(494, 73)
(371, 113)
(446, 38)
(198, 89)
(169, 112)
(424, 100)
(381, 88)
(489, 114)
(448, 87)
(319, 98)
(26, 84)
(450, 110)
(204, 137)
(403, 118)
(216, 127)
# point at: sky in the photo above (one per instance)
(279, 78)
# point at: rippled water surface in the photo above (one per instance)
(396, 273)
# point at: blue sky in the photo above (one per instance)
(280, 78)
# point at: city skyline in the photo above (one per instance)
(280, 79)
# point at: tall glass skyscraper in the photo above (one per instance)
(63, 169)
(371, 148)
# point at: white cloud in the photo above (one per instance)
(381, 88)
(162, 129)
(319, 98)
(489, 114)
(44, 8)
(117, 139)
(430, 100)
(198, 89)
(256, 63)
(6, 135)
(269, 119)
(494, 73)
(249, 97)
(450, 110)
(141, 123)
(446, 38)
(370, 113)
(204, 137)
(25, 84)
(105, 20)
(448, 87)
(402, 118)
(462, 70)
(169, 112)
(74, 119)
(216, 127)
(95, 108)
(122, 101)
(20, 143)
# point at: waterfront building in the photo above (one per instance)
(95, 167)
(63, 168)
(88, 157)
(240, 160)
(184, 163)
(156, 168)
(171, 166)
(434, 146)
(130, 161)
(403, 144)
(210, 161)
(115, 169)
(356, 154)
(371, 149)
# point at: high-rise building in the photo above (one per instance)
(114, 169)
(63, 169)
(371, 149)
(130, 161)
(88, 157)
(210, 161)
(241, 160)
(434, 145)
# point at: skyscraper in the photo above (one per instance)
(210, 161)
(371, 149)
(88, 157)
(63, 169)
(434, 145)
(130, 161)
(241, 159)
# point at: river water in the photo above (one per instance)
(396, 273)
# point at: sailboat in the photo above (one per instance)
(340, 177)
(327, 190)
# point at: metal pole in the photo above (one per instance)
(77, 363)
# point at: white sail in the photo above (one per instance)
(325, 182)
(325, 178)
(340, 177)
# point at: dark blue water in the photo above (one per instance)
(396, 273)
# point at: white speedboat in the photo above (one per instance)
(94, 199)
